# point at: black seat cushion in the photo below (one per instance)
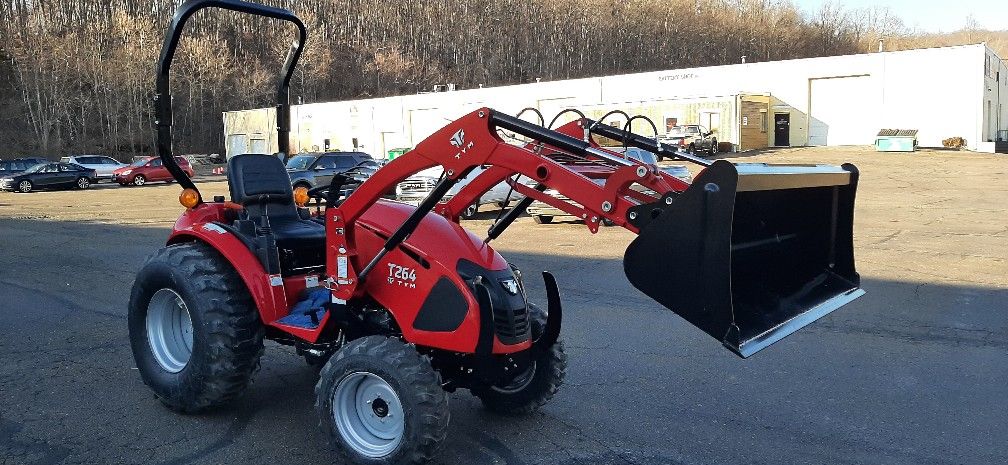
(260, 184)
(259, 178)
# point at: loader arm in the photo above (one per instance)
(472, 141)
(748, 253)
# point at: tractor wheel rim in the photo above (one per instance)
(519, 382)
(368, 414)
(25, 186)
(169, 330)
(83, 183)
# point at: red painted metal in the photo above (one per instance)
(197, 224)
(357, 229)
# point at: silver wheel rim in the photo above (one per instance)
(368, 414)
(139, 180)
(471, 211)
(83, 183)
(519, 382)
(169, 330)
(25, 186)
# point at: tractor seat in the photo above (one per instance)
(260, 184)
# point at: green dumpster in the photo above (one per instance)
(896, 140)
(393, 153)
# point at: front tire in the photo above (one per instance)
(194, 330)
(714, 147)
(139, 180)
(536, 386)
(25, 186)
(470, 212)
(380, 402)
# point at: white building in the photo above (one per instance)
(842, 100)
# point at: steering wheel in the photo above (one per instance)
(331, 193)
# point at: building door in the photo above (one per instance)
(712, 121)
(840, 111)
(782, 129)
(257, 146)
(236, 144)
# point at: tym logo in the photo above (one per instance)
(402, 276)
(458, 139)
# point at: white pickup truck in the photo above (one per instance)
(415, 188)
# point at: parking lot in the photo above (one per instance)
(913, 372)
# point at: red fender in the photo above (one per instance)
(197, 225)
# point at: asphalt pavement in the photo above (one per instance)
(912, 373)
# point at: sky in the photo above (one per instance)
(932, 15)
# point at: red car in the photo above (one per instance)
(148, 169)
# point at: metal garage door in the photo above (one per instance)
(840, 111)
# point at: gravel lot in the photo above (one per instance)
(914, 372)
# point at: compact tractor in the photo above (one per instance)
(399, 304)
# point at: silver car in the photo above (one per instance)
(543, 213)
(102, 165)
(415, 188)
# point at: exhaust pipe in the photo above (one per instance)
(749, 253)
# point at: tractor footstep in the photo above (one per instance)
(308, 312)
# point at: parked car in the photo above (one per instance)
(104, 166)
(543, 213)
(693, 138)
(317, 169)
(18, 165)
(415, 188)
(49, 176)
(355, 176)
(147, 170)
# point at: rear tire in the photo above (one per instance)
(83, 183)
(25, 186)
(714, 147)
(139, 180)
(380, 402)
(691, 148)
(194, 330)
(542, 219)
(534, 388)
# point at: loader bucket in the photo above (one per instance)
(750, 253)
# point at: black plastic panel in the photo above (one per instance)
(444, 309)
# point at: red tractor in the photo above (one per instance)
(399, 304)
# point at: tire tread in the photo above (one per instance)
(416, 375)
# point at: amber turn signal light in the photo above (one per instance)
(189, 198)
(301, 196)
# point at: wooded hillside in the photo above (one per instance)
(77, 76)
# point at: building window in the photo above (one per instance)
(671, 122)
(763, 122)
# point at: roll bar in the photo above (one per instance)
(163, 118)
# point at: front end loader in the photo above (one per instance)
(399, 304)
